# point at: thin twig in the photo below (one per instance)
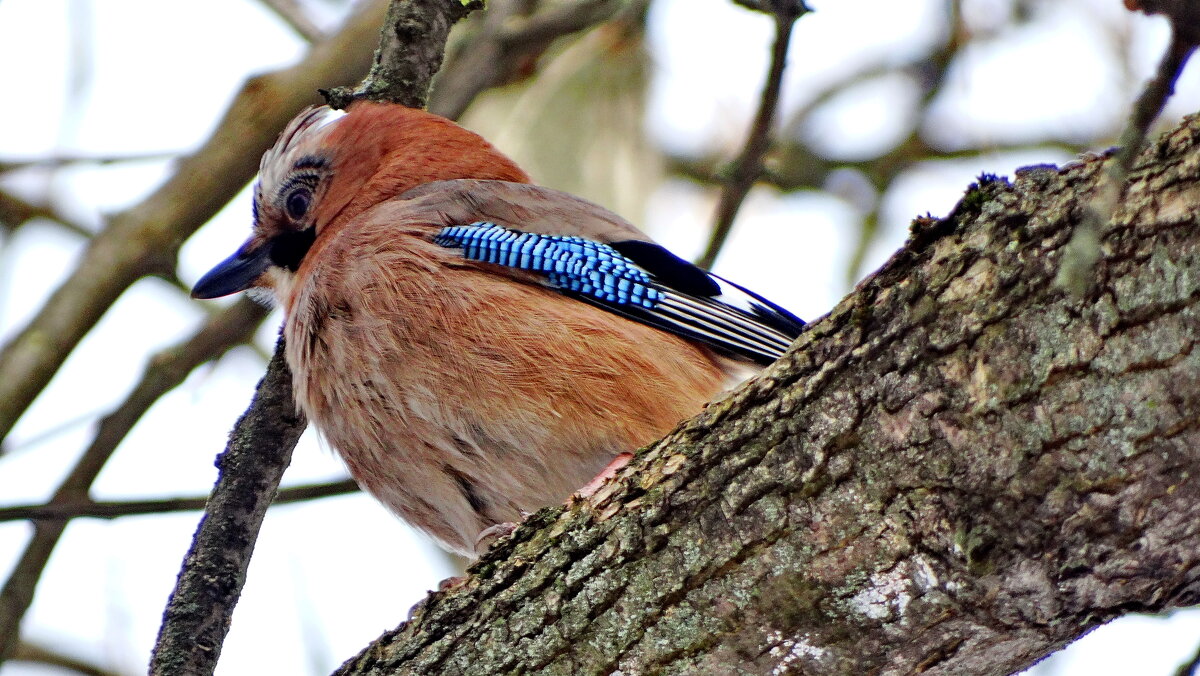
(295, 17)
(504, 44)
(40, 654)
(806, 170)
(1075, 272)
(59, 161)
(62, 511)
(163, 373)
(748, 166)
(15, 212)
(1151, 103)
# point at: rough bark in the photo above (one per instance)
(960, 469)
(201, 605)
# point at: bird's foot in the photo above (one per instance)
(488, 536)
(450, 583)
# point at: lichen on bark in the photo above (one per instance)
(960, 469)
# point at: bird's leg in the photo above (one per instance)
(488, 536)
(605, 474)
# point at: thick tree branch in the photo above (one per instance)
(411, 46)
(959, 470)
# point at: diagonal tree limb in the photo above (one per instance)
(201, 606)
(144, 239)
(1075, 274)
(226, 329)
(43, 655)
(504, 43)
(292, 13)
(959, 470)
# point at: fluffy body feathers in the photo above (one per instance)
(463, 389)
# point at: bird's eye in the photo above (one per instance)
(297, 203)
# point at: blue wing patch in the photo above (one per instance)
(576, 264)
(642, 281)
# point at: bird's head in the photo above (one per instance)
(326, 168)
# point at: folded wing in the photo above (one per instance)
(640, 280)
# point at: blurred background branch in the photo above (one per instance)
(39, 654)
(164, 372)
(745, 170)
(145, 239)
(63, 511)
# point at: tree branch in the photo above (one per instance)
(959, 470)
(293, 15)
(145, 238)
(201, 605)
(15, 212)
(38, 654)
(59, 161)
(164, 372)
(746, 169)
(411, 47)
(63, 511)
(260, 446)
(504, 43)
(1075, 274)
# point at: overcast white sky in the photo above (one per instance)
(329, 576)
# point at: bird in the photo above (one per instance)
(475, 346)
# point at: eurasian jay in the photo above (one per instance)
(476, 347)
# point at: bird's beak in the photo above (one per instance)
(236, 273)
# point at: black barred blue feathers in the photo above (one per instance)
(571, 263)
(642, 281)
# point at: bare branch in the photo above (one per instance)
(957, 471)
(163, 373)
(40, 654)
(294, 16)
(1082, 253)
(411, 48)
(748, 166)
(62, 511)
(146, 238)
(214, 571)
(59, 161)
(504, 43)
(15, 212)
